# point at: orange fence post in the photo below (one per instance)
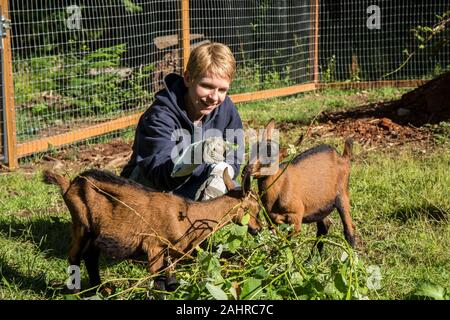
(314, 44)
(8, 89)
(184, 38)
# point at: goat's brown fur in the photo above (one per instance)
(308, 189)
(122, 218)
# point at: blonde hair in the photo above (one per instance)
(213, 59)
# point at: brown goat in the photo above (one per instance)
(308, 188)
(122, 218)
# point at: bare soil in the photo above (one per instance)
(379, 125)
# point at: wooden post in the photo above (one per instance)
(184, 35)
(8, 91)
(314, 46)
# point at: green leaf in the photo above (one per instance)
(340, 282)
(94, 297)
(261, 273)
(331, 291)
(239, 231)
(289, 256)
(430, 290)
(234, 245)
(245, 219)
(216, 292)
(297, 278)
(211, 265)
(250, 289)
(131, 7)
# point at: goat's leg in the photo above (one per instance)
(159, 258)
(91, 257)
(80, 238)
(322, 230)
(295, 217)
(171, 282)
(155, 258)
(277, 218)
(295, 220)
(343, 207)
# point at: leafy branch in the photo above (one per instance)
(426, 35)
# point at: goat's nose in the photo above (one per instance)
(253, 231)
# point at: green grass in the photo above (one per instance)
(303, 107)
(400, 205)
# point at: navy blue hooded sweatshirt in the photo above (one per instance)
(153, 143)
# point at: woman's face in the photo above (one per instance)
(205, 94)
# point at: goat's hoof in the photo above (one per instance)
(253, 231)
(160, 283)
(107, 291)
(171, 283)
(351, 239)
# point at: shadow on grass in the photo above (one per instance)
(13, 278)
(51, 235)
(429, 213)
(21, 284)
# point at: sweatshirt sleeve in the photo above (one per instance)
(235, 123)
(154, 145)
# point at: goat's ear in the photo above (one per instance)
(227, 180)
(246, 182)
(269, 129)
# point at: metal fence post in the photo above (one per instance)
(316, 43)
(9, 115)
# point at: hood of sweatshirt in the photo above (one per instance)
(173, 98)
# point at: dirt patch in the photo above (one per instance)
(112, 156)
(378, 125)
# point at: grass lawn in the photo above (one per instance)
(400, 200)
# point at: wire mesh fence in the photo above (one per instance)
(369, 40)
(77, 65)
(82, 68)
(271, 39)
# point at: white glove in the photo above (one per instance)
(185, 164)
(214, 186)
(214, 151)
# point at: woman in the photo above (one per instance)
(190, 115)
